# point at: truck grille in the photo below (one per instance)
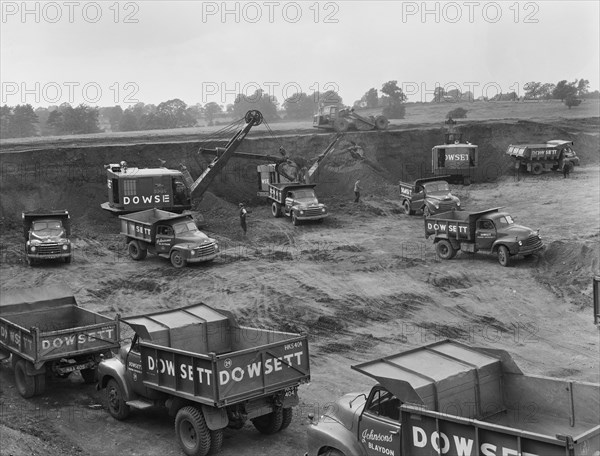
(312, 211)
(207, 249)
(48, 249)
(532, 242)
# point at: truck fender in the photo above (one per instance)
(511, 246)
(332, 435)
(216, 418)
(114, 368)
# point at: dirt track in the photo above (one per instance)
(363, 284)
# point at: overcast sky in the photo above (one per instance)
(107, 53)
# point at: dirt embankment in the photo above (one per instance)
(73, 177)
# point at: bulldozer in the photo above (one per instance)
(341, 119)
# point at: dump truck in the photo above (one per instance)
(168, 235)
(451, 399)
(295, 200)
(209, 372)
(341, 119)
(488, 231)
(47, 235)
(48, 334)
(553, 155)
(429, 195)
(456, 160)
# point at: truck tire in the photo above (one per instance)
(406, 207)
(192, 432)
(445, 250)
(276, 209)
(177, 259)
(115, 402)
(40, 384)
(333, 452)
(269, 423)
(288, 414)
(341, 125)
(503, 256)
(569, 167)
(381, 123)
(216, 441)
(136, 252)
(537, 168)
(295, 220)
(25, 382)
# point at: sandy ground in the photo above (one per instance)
(364, 284)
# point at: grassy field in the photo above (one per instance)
(418, 115)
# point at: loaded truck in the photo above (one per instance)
(295, 200)
(168, 235)
(555, 155)
(451, 399)
(46, 235)
(489, 231)
(47, 334)
(429, 195)
(209, 372)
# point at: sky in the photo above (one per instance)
(106, 53)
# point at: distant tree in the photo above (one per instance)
(532, 90)
(210, 112)
(67, 120)
(23, 122)
(260, 101)
(299, 106)
(371, 98)
(129, 121)
(114, 115)
(571, 101)
(438, 94)
(326, 98)
(395, 99)
(582, 87)
(172, 114)
(545, 91)
(5, 120)
(458, 113)
(565, 90)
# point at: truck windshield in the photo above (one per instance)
(185, 227)
(505, 220)
(436, 187)
(302, 194)
(47, 225)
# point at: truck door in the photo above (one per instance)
(418, 198)
(485, 234)
(289, 200)
(134, 367)
(164, 238)
(379, 425)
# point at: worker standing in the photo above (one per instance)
(243, 214)
(357, 189)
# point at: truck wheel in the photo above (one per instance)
(192, 432)
(288, 414)
(276, 209)
(88, 375)
(216, 441)
(40, 384)
(177, 259)
(269, 423)
(25, 382)
(295, 220)
(135, 251)
(114, 399)
(333, 452)
(445, 250)
(503, 256)
(569, 167)
(537, 168)
(406, 207)
(341, 125)
(381, 123)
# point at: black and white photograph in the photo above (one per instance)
(304, 228)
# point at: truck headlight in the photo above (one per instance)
(458, 203)
(65, 247)
(520, 243)
(301, 212)
(192, 253)
(437, 206)
(323, 209)
(33, 248)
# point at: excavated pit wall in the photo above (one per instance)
(74, 177)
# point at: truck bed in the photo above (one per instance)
(43, 324)
(202, 354)
(481, 394)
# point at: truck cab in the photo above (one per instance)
(429, 196)
(47, 235)
(297, 201)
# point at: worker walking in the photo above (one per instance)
(243, 214)
(357, 189)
